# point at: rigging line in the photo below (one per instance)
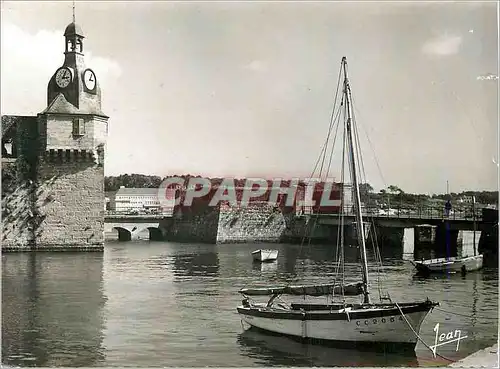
(332, 123)
(358, 149)
(334, 139)
(342, 236)
(329, 129)
(333, 118)
(349, 159)
(416, 334)
(340, 217)
(356, 135)
(324, 151)
(321, 152)
(371, 146)
(378, 266)
(340, 231)
(357, 144)
(317, 214)
(359, 154)
(329, 166)
(327, 173)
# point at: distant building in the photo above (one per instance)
(141, 200)
(137, 199)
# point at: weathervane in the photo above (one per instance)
(73, 11)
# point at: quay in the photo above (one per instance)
(486, 358)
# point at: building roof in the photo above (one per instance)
(137, 192)
(61, 106)
(73, 29)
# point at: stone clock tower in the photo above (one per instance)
(70, 200)
(54, 199)
(73, 117)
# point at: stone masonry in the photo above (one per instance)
(53, 195)
(253, 223)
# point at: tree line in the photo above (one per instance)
(392, 194)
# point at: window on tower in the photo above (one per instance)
(78, 127)
(79, 46)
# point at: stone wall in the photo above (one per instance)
(53, 201)
(18, 217)
(19, 190)
(253, 223)
(70, 200)
(199, 225)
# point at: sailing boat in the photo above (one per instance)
(355, 323)
(454, 264)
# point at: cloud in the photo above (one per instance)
(442, 45)
(256, 66)
(488, 76)
(28, 61)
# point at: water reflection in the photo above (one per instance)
(274, 350)
(52, 308)
(173, 304)
(204, 263)
(265, 267)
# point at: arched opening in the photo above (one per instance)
(123, 234)
(155, 234)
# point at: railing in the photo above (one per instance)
(122, 214)
(404, 213)
(397, 213)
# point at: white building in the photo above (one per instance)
(137, 199)
(142, 200)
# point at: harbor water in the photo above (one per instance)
(158, 304)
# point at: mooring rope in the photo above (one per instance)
(419, 338)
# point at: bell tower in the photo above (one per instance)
(73, 118)
(70, 173)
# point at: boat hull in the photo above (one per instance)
(265, 255)
(376, 326)
(450, 265)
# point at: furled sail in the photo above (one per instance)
(352, 289)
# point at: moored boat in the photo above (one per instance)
(366, 322)
(449, 265)
(453, 264)
(265, 255)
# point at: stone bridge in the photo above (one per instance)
(131, 227)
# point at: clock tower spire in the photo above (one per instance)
(74, 100)
(74, 88)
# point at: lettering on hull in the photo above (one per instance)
(365, 322)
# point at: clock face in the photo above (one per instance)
(63, 77)
(89, 79)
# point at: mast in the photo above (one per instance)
(357, 197)
(474, 220)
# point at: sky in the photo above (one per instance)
(245, 89)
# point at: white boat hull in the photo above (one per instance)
(265, 255)
(387, 329)
(450, 265)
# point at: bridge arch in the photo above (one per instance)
(123, 234)
(155, 234)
